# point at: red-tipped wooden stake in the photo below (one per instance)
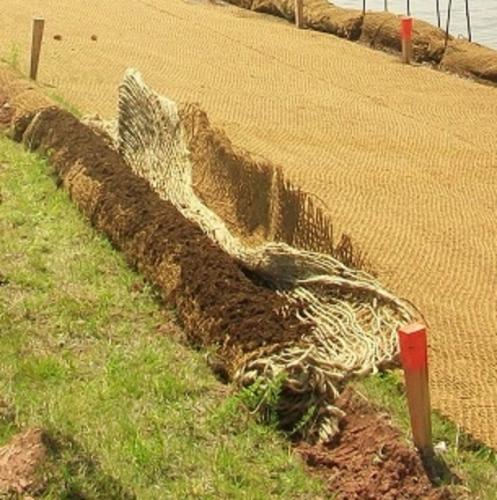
(414, 357)
(406, 37)
(37, 37)
(299, 13)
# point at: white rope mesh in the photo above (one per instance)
(356, 319)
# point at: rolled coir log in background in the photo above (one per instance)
(381, 30)
(216, 302)
(244, 4)
(282, 8)
(470, 59)
(320, 15)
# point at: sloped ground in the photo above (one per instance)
(74, 357)
(403, 157)
(88, 355)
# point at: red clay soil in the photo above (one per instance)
(20, 463)
(369, 459)
(217, 303)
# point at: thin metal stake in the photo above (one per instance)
(468, 20)
(449, 9)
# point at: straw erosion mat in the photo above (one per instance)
(403, 158)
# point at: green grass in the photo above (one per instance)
(472, 465)
(11, 57)
(88, 354)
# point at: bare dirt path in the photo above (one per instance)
(405, 158)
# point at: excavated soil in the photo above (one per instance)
(216, 302)
(21, 460)
(369, 459)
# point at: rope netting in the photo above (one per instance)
(354, 319)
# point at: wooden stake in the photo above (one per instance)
(406, 36)
(299, 13)
(414, 357)
(37, 37)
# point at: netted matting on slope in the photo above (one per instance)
(354, 319)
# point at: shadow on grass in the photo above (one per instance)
(74, 474)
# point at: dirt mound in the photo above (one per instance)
(471, 59)
(20, 463)
(369, 459)
(217, 304)
(381, 30)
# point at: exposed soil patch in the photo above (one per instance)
(20, 462)
(217, 303)
(369, 459)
